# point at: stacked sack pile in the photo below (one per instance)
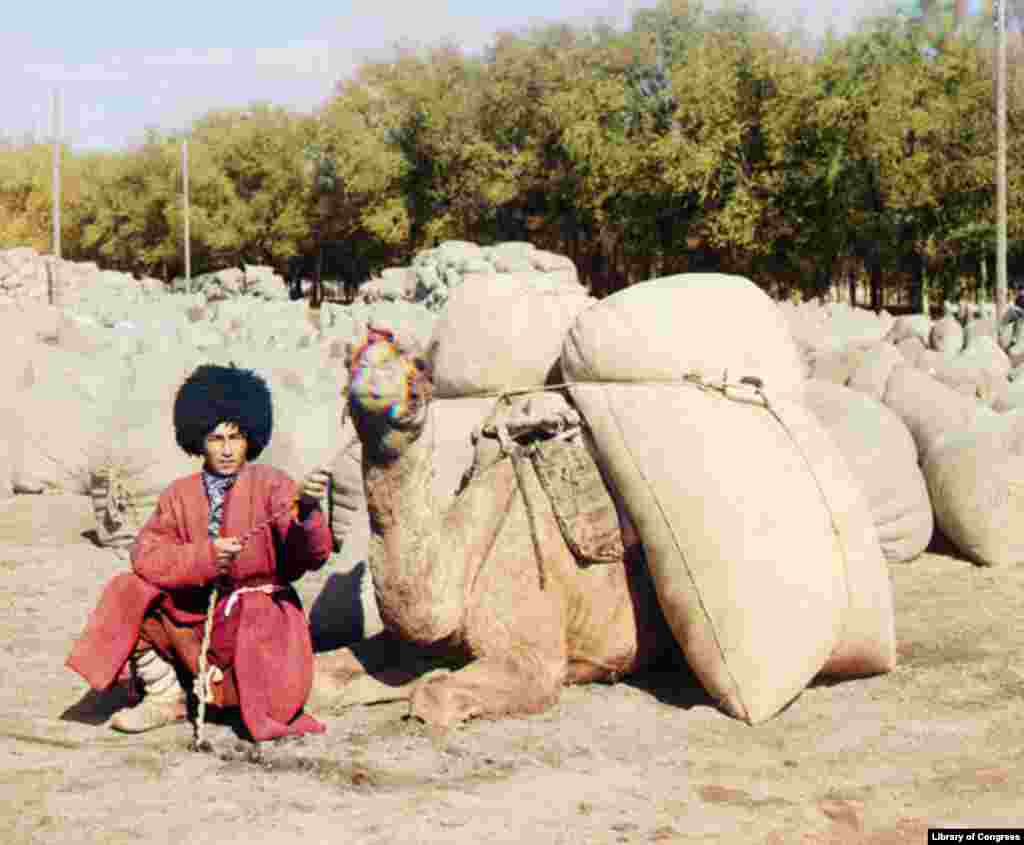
(255, 280)
(759, 538)
(436, 272)
(89, 382)
(949, 393)
(26, 276)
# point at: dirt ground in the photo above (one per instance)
(939, 742)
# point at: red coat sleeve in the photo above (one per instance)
(305, 546)
(163, 558)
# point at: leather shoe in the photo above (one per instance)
(149, 715)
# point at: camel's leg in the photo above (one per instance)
(515, 633)
(381, 668)
(488, 688)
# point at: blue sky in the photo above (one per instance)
(122, 67)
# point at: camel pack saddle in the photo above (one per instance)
(548, 431)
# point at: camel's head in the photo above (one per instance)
(389, 388)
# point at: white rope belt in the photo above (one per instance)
(268, 589)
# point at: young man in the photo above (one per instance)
(232, 525)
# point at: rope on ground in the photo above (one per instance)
(202, 682)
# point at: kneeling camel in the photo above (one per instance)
(489, 581)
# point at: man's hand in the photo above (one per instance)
(225, 550)
(313, 489)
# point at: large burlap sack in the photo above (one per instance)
(703, 324)
(862, 366)
(101, 379)
(16, 372)
(501, 332)
(837, 365)
(979, 327)
(967, 375)
(875, 367)
(1012, 398)
(157, 377)
(910, 326)
(856, 325)
(808, 326)
(881, 455)
(947, 337)
(974, 478)
(6, 461)
(931, 410)
(759, 542)
(52, 435)
(32, 321)
(130, 466)
(985, 353)
(912, 348)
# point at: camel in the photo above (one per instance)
(490, 584)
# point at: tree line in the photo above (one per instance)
(697, 140)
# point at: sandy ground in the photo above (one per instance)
(939, 742)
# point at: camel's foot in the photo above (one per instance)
(444, 699)
(329, 695)
(371, 672)
(441, 703)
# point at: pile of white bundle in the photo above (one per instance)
(441, 269)
(882, 456)
(503, 332)
(257, 281)
(407, 319)
(758, 538)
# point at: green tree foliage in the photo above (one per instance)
(125, 221)
(249, 185)
(25, 196)
(699, 138)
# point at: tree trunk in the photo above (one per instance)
(822, 281)
(875, 273)
(316, 295)
(917, 283)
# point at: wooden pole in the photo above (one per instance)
(184, 191)
(999, 12)
(56, 133)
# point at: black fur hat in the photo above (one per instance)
(213, 395)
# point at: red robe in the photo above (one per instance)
(265, 639)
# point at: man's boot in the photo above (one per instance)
(163, 701)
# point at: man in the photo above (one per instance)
(232, 525)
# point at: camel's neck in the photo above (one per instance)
(415, 584)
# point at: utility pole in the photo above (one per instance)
(52, 267)
(184, 192)
(56, 130)
(999, 13)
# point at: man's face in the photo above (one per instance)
(225, 448)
